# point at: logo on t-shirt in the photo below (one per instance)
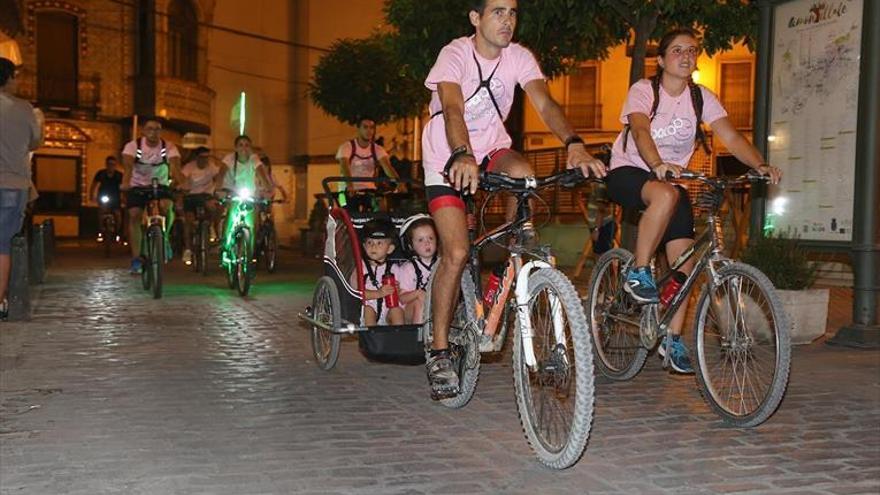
(678, 135)
(480, 106)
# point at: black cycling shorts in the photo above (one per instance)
(192, 202)
(443, 196)
(138, 197)
(625, 188)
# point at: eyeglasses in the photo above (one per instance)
(678, 51)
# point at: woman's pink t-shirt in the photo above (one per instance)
(674, 127)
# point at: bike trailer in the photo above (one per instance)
(343, 262)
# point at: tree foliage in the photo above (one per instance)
(360, 78)
(721, 23)
(561, 33)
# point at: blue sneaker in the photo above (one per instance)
(136, 265)
(679, 359)
(640, 285)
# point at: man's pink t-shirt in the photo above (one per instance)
(456, 64)
(674, 127)
(362, 163)
(201, 180)
(144, 169)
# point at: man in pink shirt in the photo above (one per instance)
(145, 159)
(472, 84)
(361, 157)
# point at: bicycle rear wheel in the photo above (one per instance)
(146, 275)
(157, 259)
(743, 346)
(327, 309)
(555, 396)
(270, 249)
(464, 340)
(614, 318)
(202, 247)
(243, 263)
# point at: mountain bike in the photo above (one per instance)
(236, 253)
(267, 238)
(552, 355)
(741, 331)
(153, 241)
(201, 235)
(109, 233)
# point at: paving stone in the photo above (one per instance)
(108, 391)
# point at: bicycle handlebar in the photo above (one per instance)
(491, 181)
(372, 180)
(746, 177)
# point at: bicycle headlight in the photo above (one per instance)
(244, 194)
(105, 199)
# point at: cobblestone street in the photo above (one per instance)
(107, 391)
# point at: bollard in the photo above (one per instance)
(36, 256)
(49, 240)
(19, 289)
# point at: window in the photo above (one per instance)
(57, 179)
(736, 92)
(583, 109)
(183, 40)
(57, 58)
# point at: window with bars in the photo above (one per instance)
(583, 109)
(57, 58)
(736, 92)
(183, 40)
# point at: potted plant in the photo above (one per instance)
(785, 263)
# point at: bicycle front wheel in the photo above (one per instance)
(270, 249)
(555, 395)
(243, 263)
(743, 346)
(157, 259)
(202, 246)
(614, 318)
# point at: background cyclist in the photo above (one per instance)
(144, 159)
(106, 184)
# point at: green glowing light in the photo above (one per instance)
(241, 113)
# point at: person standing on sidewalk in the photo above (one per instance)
(21, 131)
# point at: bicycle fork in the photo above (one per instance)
(527, 333)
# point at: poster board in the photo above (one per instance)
(814, 91)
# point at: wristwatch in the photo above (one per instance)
(573, 139)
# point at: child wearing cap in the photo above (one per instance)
(420, 240)
(378, 244)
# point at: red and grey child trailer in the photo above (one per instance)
(338, 304)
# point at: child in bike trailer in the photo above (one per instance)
(419, 241)
(378, 244)
(663, 119)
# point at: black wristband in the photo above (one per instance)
(573, 139)
(456, 153)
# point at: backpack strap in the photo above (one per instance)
(655, 89)
(697, 102)
(353, 152)
(484, 83)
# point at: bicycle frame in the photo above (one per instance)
(708, 249)
(515, 271)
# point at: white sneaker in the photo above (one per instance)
(188, 257)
